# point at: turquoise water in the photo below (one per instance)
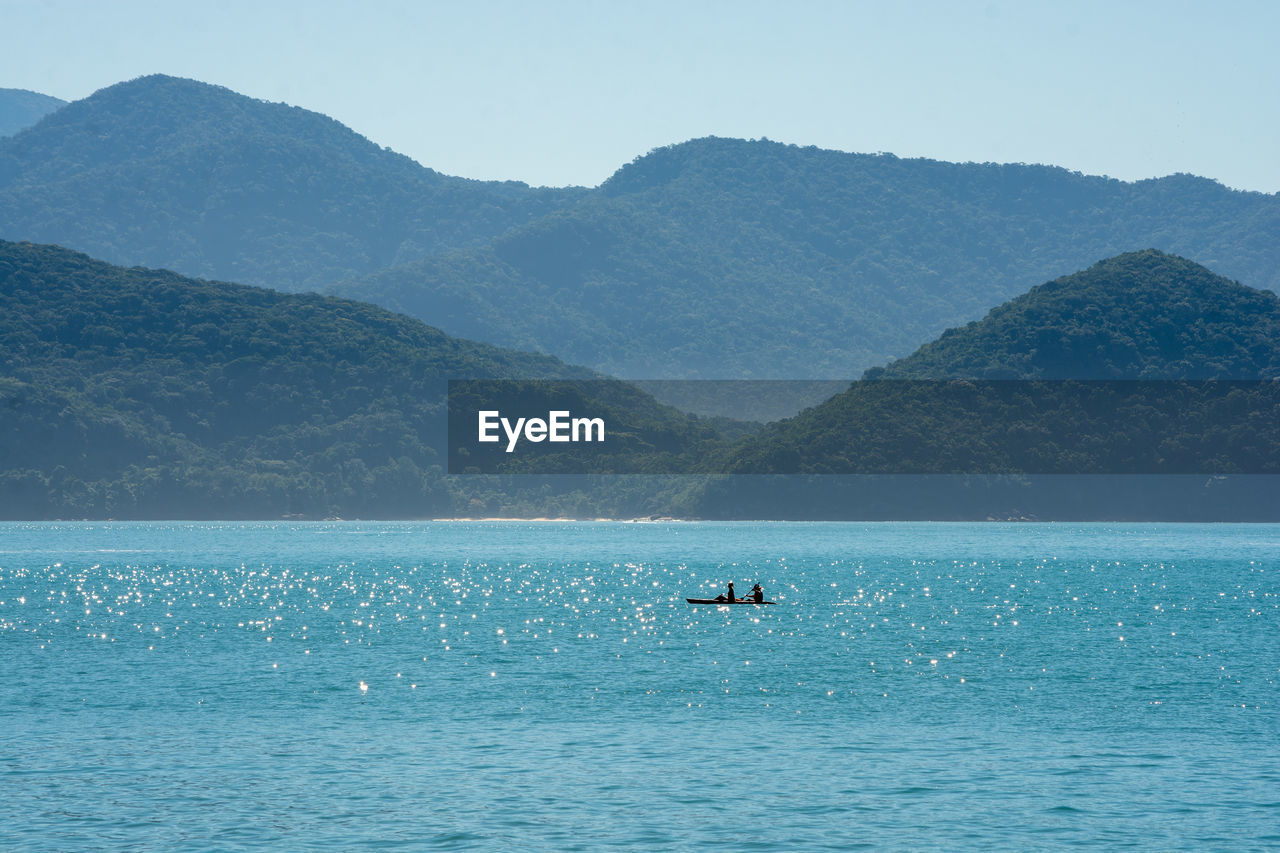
(544, 686)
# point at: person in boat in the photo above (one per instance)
(757, 594)
(731, 597)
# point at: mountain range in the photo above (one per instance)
(141, 393)
(172, 173)
(715, 258)
(724, 258)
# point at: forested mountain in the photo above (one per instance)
(726, 258)
(1141, 315)
(1184, 343)
(21, 108)
(139, 393)
(715, 258)
(174, 173)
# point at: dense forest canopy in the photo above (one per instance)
(1140, 316)
(139, 393)
(1180, 370)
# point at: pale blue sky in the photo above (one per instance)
(565, 92)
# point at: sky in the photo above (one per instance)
(564, 92)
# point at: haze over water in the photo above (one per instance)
(451, 685)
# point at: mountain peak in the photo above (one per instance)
(169, 172)
(666, 164)
(1139, 315)
(158, 113)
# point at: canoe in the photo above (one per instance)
(713, 601)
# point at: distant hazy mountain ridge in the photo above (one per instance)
(173, 173)
(732, 259)
(20, 108)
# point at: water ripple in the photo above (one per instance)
(544, 687)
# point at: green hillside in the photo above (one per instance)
(714, 258)
(139, 393)
(724, 258)
(183, 175)
(136, 393)
(1143, 316)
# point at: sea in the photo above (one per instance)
(508, 685)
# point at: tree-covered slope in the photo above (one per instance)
(139, 393)
(715, 258)
(21, 108)
(1140, 316)
(174, 173)
(1061, 404)
(726, 258)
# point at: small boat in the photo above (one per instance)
(723, 601)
